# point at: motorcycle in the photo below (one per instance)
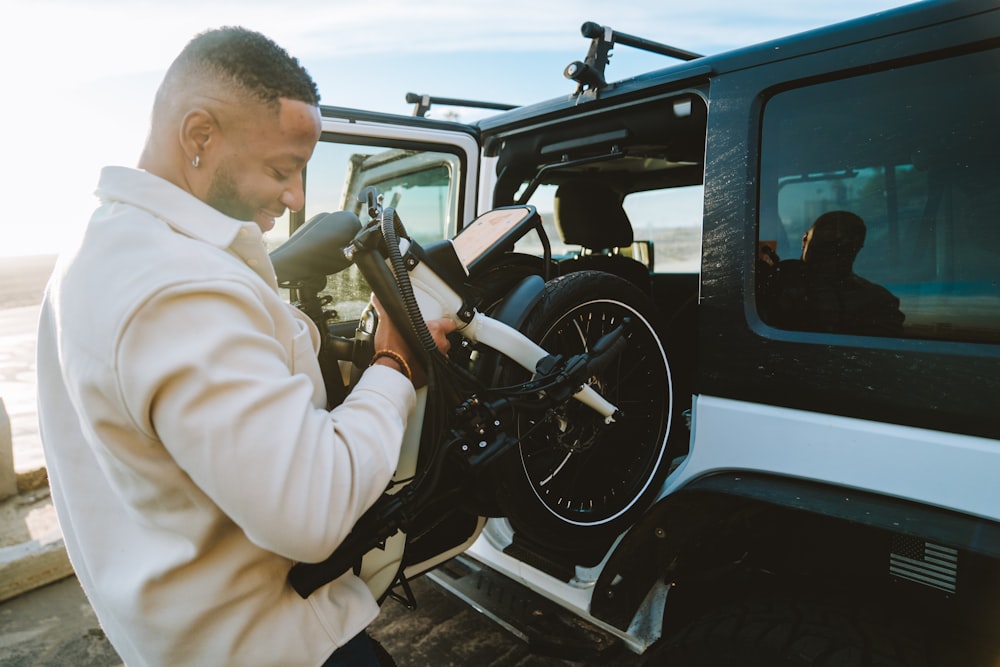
(521, 400)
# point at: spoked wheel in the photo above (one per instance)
(574, 477)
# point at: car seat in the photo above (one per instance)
(590, 215)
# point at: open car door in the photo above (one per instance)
(427, 170)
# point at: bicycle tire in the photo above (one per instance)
(573, 477)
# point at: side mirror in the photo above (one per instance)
(641, 251)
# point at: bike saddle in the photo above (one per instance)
(316, 248)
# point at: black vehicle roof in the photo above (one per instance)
(672, 77)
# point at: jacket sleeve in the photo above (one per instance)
(201, 371)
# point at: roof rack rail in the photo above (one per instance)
(590, 73)
(423, 102)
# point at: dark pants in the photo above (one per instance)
(359, 652)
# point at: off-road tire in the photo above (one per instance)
(787, 634)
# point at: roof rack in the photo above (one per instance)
(423, 102)
(590, 73)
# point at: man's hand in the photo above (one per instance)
(388, 337)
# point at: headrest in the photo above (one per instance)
(591, 215)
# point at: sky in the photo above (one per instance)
(78, 76)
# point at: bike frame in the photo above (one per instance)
(436, 297)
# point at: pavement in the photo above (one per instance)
(46, 620)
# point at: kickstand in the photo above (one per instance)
(406, 597)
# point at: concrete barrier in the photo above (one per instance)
(32, 552)
(8, 478)
(32, 564)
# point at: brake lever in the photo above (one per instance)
(608, 347)
(372, 200)
(560, 378)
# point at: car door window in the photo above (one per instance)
(910, 153)
(422, 185)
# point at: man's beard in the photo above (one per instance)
(225, 198)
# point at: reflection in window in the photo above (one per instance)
(896, 150)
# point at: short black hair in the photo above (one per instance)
(842, 228)
(251, 61)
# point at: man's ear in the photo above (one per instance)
(198, 131)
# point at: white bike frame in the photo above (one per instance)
(437, 299)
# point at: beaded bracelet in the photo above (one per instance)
(397, 357)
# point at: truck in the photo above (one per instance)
(819, 478)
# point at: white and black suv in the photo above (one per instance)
(811, 228)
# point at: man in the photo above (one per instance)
(821, 292)
(182, 412)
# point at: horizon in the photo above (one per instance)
(102, 65)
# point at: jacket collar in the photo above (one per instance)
(178, 208)
(188, 215)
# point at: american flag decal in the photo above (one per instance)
(925, 563)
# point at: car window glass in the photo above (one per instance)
(543, 199)
(671, 219)
(278, 234)
(421, 185)
(909, 152)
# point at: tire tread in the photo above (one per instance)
(784, 634)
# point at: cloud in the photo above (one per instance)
(86, 40)
(83, 72)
